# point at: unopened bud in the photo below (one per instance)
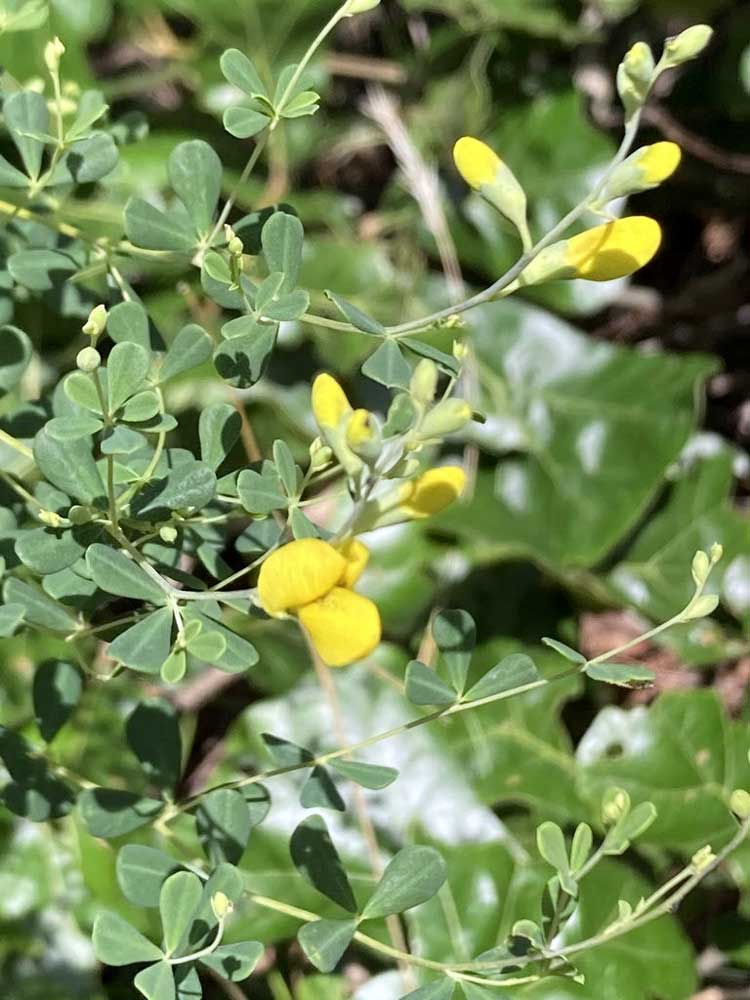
(89, 359)
(702, 606)
(447, 417)
(702, 859)
(685, 46)
(700, 568)
(360, 6)
(222, 905)
(615, 805)
(79, 515)
(234, 244)
(53, 53)
(96, 324)
(716, 552)
(424, 381)
(168, 534)
(483, 170)
(50, 518)
(320, 455)
(739, 803)
(634, 77)
(460, 350)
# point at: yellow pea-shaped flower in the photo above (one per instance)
(485, 172)
(311, 580)
(644, 169)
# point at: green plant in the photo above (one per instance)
(110, 533)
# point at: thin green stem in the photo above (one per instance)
(260, 145)
(16, 445)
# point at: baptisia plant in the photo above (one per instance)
(143, 562)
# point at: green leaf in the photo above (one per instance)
(261, 493)
(515, 671)
(224, 878)
(121, 440)
(627, 675)
(11, 616)
(10, 176)
(315, 857)
(149, 227)
(127, 368)
(15, 355)
(141, 872)
(571, 655)
(413, 876)
(287, 307)
(446, 361)
(195, 173)
(88, 161)
(325, 941)
(235, 962)
(179, 898)
(116, 574)
(191, 348)
(424, 687)
(145, 645)
(358, 319)
(239, 654)
(189, 485)
(375, 776)
(81, 390)
(156, 982)
(70, 466)
(114, 812)
(633, 825)
(682, 753)
(388, 366)
(440, 989)
(242, 360)
(73, 428)
(26, 112)
(319, 791)
(41, 270)
(187, 982)
(48, 550)
(282, 240)
(33, 793)
(26, 16)
(240, 72)
(244, 123)
(57, 689)
(208, 647)
(223, 823)
(454, 633)
(116, 942)
(129, 322)
(551, 843)
(38, 608)
(153, 734)
(142, 407)
(219, 429)
(174, 667)
(580, 848)
(284, 753)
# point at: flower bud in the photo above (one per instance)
(700, 607)
(702, 859)
(483, 170)
(685, 46)
(739, 803)
(53, 53)
(234, 244)
(360, 6)
(89, 359)
(424, 381)
(615, 805)
(168, 534)
(80, 515)
(96, 324)
(647, 168)
(222, 905)
(716, 552)
(700, 568)
(50, 518)
(320, 455)
(460, 351)
(362, 435)
(635, 75)
(447, 417)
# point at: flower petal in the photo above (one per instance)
(299, 573)
(343, 626)
(476, 162)
(329, 402)
(357, 556)
(613, 250)
(659, 161)
(433, 491)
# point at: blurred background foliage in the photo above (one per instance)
(615, 446)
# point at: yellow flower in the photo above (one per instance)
(432, 491)
(658, 161)
(329, 402)
(603, 253)
(359, 430)
(483, 170)
(476, 162)
(311, 580)
(615, 249)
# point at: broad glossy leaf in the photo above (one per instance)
(145, 645)
(315, 856)
(116, 942)
(413, 876)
